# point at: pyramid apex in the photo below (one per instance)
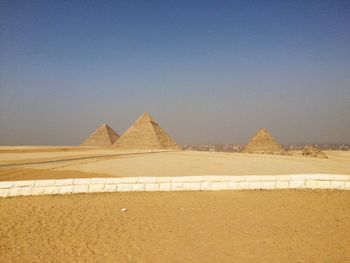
(146, 114)
(262, 130)
(103, 126)
(145, 117)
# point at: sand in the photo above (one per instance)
(228, 226)
(15, 174)
(14, 155)
(89, 162)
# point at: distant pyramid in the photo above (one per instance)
(263, 142)
(104, 136)
(146, 134)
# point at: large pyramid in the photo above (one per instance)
(263, 142)
(104, 136)
(146, 134)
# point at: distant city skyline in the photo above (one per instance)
(209, 72)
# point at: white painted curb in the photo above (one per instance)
(176, 183)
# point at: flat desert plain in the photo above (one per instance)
(223, 226)
(18, 163)
(227, 226)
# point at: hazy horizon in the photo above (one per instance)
(209, 72)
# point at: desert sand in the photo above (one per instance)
(31, 163)
(227, 226)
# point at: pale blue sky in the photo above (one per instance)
(208, 71)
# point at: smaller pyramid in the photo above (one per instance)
(312, 151)
(104, 136)
(263, 142)
(146, 134)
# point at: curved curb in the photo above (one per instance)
(176, 183)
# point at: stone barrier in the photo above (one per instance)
(175, 183)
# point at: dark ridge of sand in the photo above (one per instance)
(18, 174)
(228, 226)
(41, 149)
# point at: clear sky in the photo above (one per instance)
(207, 71)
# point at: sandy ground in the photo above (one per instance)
(19, 155)
(80, 162)
(204, 163)
(227, 226)
(15, 174)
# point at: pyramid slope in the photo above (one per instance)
(146, 134)
(104, 136)
(263, 142)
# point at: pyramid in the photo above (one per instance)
(146, 134)
(104, 136)
(263, 142)
(312, 151)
